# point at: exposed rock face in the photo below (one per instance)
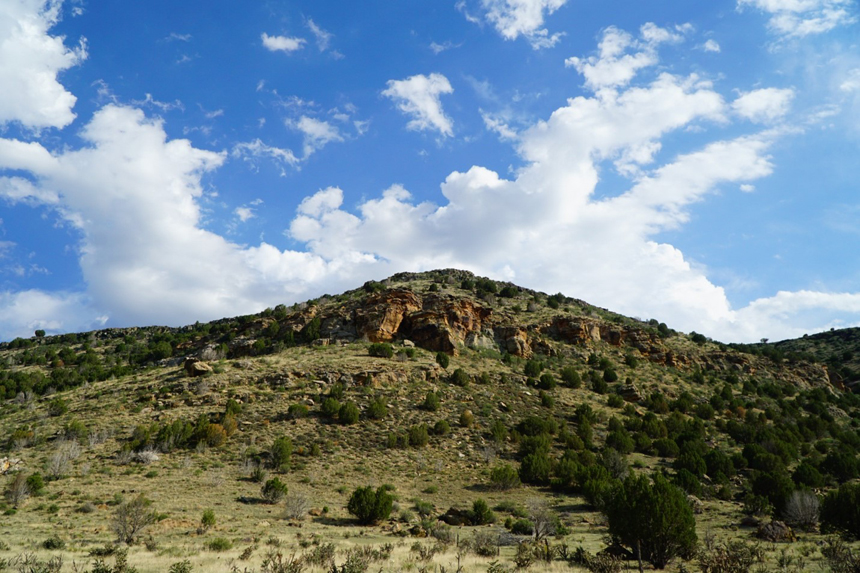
(194, 367)
(380, 318)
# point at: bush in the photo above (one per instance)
(571, 377)
(536, 468)
(377, 409)
(330, 407)
(547, 382)
(369, 506)
(219, 544)
(652, 517)
(533, 368)
(208, 519)
(131, 518)
(466, 418)
(381, 350)
(273, 490)
(504, 477)
(281, 453)
(418, 436)
(801, 510)
(296, 411)
(460, 378)
(442, 428)
(481, 513)
(348, 413)
(840, 510)
(522, 527)
(431, 401)
(442, 359)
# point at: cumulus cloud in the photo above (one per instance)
(30, 60)
(24, 312)
(764, 105)
(282, 43)
(613, 66)
(799, 18)
(515, 18)
(133, 196)
(419, 97)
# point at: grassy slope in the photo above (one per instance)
(450, 471)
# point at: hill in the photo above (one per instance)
(443, 387)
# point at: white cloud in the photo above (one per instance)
(799, 18)
(439, 48)
(23, 312)
(244, 214)
(317, 133)
(133, 196)
(711, 46)
(764, 105)
(613, 66)
(419, 97)
(252, 151)
(282, 43)
(323, 38)
(747, 188)
(851, 82)
(30, 60)
(515, 18)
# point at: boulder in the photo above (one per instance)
(776, 531)
(195, 367)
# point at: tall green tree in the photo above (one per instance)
(653, 518)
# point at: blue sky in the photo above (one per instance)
(695, 162)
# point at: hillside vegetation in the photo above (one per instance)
(429, 422)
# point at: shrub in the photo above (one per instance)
(219, 544)
(466, 418)
(571, 377)
(377, 409)
(183, 566)
(369, 506)
(498, 431)
(533, 368)
(131, 518)
(431, 401)
(546, 382)
(381, 350)
(296, 506)
(441, 428)
(273, 490)
(504, 477)
(57, 407)
(536, 468)
(459, 378)
(801, 510)
(296, 411)
(615, 401)
(330, 407)
(281, 453)
(418, 436)
(348, 413)
(208, 519)
(481, 513)
(522, 527)
(652, 517)
(609, 375)
(442, 359)
(840, 510)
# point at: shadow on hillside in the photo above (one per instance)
(336, 521)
